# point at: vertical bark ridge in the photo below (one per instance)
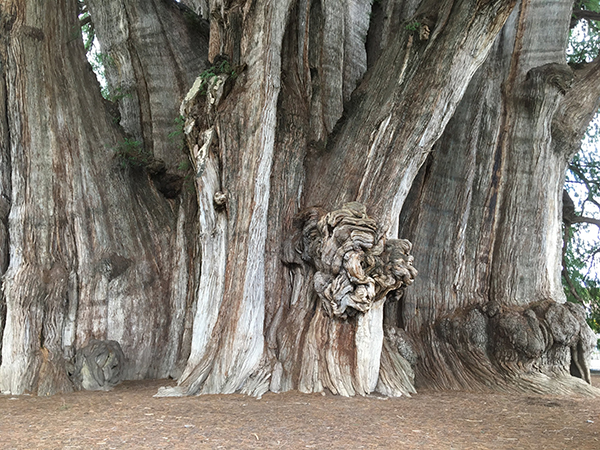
(5, 183)
(234, 356)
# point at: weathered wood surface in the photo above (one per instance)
(295, 326)
(502, 177)
(242, 284)
(94, 250)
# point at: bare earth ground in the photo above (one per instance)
(130, 418)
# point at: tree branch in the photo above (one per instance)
(570, 285)
(577, 108)
(584, 219)
(585, 14)
(588, 184)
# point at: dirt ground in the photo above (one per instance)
(130, 418)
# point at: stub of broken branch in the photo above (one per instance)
(356, 266)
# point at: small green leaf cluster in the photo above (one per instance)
(131, 153)
(176, 136)
(184, 165)
(178, 128)
(413, 26)
(220, 68)
(114, 95)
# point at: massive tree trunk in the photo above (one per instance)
(320, 132)
(93, 249)
(371, 156)
(488, 308)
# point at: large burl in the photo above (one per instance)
(529, 348)
(356, 266)
(98, 366)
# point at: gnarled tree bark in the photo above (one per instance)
(307, 349)
(320, 133)
(95, 251)
(482, 314)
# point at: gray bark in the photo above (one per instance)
(319, 125)
(295, 354)
(95, 250)
(494, 274)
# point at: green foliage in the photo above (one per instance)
(584, 50)
(413, 26)
(131, 153)
(98, 61)
(87, 31)
(583, 285)
(176, 136)
(184, 165)
(583, 245)
(117, 94)
(220, 68)
(584, 37)
(105, 59)
(581, 275)
(178, 129)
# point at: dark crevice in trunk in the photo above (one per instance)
(375, 33)
(5, 193)
(181, 82)
(144, 99)
(410, 210)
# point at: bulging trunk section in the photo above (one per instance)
(484, 312)
(353, 270)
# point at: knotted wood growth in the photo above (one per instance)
(343, 269)
(543, 347)
(355, 265)
(99, 366)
